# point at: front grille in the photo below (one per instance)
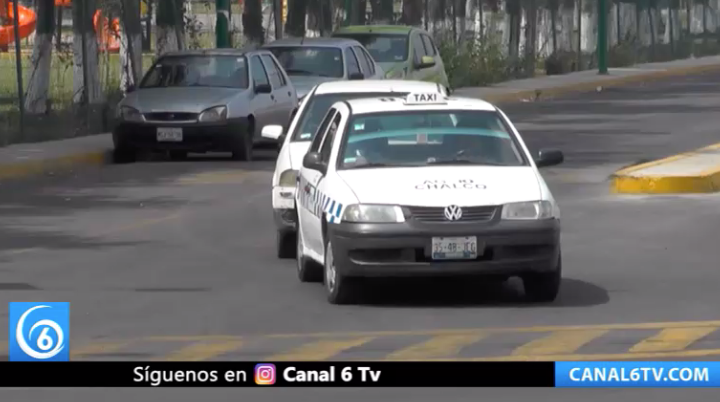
(170, 116)
(437, 214)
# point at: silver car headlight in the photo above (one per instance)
(532, 210)
(214, 114)
(130, 114)
(360, 213)
(288, 178)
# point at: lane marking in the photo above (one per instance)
(97, 348)
(671, 339)
(320, 350)
(581, 357)
(559, 342)
(438, 346)
(203, 351)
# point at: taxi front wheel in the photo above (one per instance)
(340, 288)
(543, 288)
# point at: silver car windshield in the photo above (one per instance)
(318, 106)
(317, 61)
(198, 71)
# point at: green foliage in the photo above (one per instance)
(480, 61)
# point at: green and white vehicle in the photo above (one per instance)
(403, 52)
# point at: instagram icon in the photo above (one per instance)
(264, 374)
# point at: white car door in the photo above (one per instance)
(308, 197)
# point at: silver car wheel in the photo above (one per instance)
(330, 271)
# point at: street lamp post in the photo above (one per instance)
(602, 37)
(222, 24)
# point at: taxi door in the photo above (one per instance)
(309, 197)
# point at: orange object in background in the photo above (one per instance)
(26, 25)
(108, 33)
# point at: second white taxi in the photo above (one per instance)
(424, 185)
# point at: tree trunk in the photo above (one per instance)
(252, 21)
(553, 4)
(296, 16)
(382, 11)
(168, 24)
(36, 101)
(412, 12)
(130, 44)
(83, 31)
(513, 10)
(530, 37)
(321, 12)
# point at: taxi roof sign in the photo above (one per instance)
(423, 98)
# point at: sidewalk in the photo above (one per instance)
(52, 157)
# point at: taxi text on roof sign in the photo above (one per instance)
(424, 99)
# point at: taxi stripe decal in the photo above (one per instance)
(319, 203)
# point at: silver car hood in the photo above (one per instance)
(303, 84)
(184, 100)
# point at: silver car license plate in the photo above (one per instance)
(169, 134)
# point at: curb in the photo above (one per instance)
(54, 165)
(708, 181)
(552, 92)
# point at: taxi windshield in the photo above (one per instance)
(318, 106)
(445, 137)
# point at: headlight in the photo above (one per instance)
(217, 113)
(533, 210)
(373, 214)
(288, 178)
(128, 113)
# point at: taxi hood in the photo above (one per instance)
(443, 185)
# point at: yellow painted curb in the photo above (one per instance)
(16, 170)
(605, 83)
(623, 182)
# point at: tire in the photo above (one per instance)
(340, 288)
(178, 155)
(243, 144)
(286, 245)
(124, 155)
(544, 287)
(308, 270)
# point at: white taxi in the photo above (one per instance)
(424, 185)
(301, 130)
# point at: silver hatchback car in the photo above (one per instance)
(204, 101)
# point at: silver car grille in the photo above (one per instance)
(171, 116)
(437, 214)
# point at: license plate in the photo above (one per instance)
(454, 248)
(169, 134)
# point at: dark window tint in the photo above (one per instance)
(352, 64)
(429, 46)
(418, 48)
(368, 60)
(315, 146)
(384, 48)
(259, 74)
(273, 72)
(361, 60)
(310, 60)
(198, 71)
(329, 138)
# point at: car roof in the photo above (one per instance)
(211, 52)
(321, 41)
(397, 104)
(399, 29)
(361, 86)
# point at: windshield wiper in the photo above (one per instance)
(464, 162)
(375, 164)
(304, 72)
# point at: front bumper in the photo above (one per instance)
(509, 248)
(197, 137)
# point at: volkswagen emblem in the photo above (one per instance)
(453, 213)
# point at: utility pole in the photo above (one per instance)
(222, 24)
(349, 13)
(602, 37)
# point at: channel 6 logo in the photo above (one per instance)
(39, 331)
(264, 374)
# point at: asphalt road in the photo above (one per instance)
(175, 261)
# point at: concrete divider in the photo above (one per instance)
(695, 172)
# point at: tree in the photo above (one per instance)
(169, 26)
(36, 101)
(252, 21)
(412, 12)
(382, 11)
(130, 44)
(297, 13)
(86, 74)
(321, 12)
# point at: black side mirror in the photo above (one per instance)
(263, 89)
(356, 76)
(313, 160)
(549, 157)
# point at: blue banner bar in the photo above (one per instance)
(635, 374)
